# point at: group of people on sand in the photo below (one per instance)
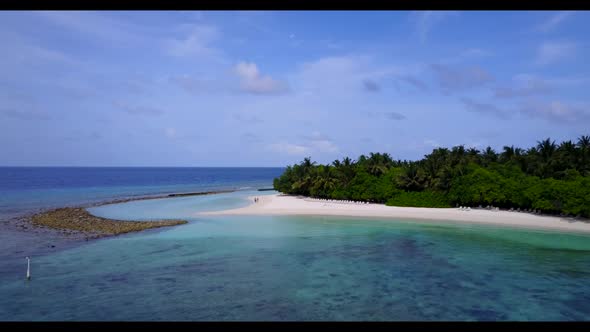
(495, 208)
(489, 207)
(255, 199)
(339, 201)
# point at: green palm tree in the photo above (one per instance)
(307, 164)
(433, 163)
(458, 152)
(546, 149)
(472, 152)
(378, 164)
(411, 179)
(584, 143)
(324, 181)
(489, 156)
(507, 154)
(473, 155)
(584, 156)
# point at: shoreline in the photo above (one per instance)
(25, 223)
(286, 205)
(43, 238)
(155, 196)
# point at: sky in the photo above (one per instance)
(264, 88)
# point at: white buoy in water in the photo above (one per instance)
(28, 268)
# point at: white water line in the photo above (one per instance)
(28, 268)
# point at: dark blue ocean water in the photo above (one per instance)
(28, 188)
(284, 268)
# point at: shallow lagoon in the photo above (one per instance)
(303, 268)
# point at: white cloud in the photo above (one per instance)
(197, 43)
(523, 85)
(138, 110)
(335, 64)
(570, 81)
(323, 146)
(170, 132)
(466, 55)
(415, 82)
(554, 20)
(342, 74)
(253, 82)
(426, 20)
(320, 143)
(550, 52)
(315, 135)
(387, 115)
(133, 34)
(202, 84)
(198, 15)
(558, 111)
(250, 80)
(432, 143)
(314, 143)
(484, 108)
(287, 148)
(455, 78)
(476, 144)
(96, 24)
(21, 106)
(250, 137)
(23, 114)
(247, 117)
(20, 52)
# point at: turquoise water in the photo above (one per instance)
(178, 208)
(303, 268)
(25, 189)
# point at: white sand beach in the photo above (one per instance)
(290, 205)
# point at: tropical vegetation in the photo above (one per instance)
(550, 178)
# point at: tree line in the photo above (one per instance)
(548, 177)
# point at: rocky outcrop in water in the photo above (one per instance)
(80, 220)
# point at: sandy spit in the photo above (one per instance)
(291, 205)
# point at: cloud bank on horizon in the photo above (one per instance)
(269, 88)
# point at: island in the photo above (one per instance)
(544, 187)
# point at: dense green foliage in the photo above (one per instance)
(547, 177)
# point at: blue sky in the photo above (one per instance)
(252, 88)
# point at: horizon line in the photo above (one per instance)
(86, 166)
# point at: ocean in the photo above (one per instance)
(273, 268)
(24, 189)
